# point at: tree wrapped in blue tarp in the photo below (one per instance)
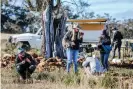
(54, 23)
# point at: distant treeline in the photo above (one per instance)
(15, 19)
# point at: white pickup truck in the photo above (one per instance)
(31, 40)
(35, 40)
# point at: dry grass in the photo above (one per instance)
(6, 36)
(116, 78)
(3, 38)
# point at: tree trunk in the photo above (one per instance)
(43, 38)
(53, 34)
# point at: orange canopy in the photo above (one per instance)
(91, 24)
(87, 20)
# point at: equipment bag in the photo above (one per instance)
(107, 48)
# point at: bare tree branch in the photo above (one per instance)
(69, 2)
(39, 4)
(75, 3)
(30, 5)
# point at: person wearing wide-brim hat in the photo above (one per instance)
(71, 41)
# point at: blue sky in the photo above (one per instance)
(120, 9)
(117, 8)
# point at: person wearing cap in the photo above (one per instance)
(105, 48)
(116, 42)
(71, 42)
(25, 64)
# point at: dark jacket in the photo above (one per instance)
(117, 37)
(26, 65)
(104, 40)
(68, 40)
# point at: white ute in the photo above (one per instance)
(35, 40)
(32, 40)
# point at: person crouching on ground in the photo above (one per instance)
(72, 40)
(92, 66)
(105, 48)
(25, 65)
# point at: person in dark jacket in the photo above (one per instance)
(104, 41)
(25, 64)
(72, 40)
(116, 42)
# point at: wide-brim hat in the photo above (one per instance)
(76, 25)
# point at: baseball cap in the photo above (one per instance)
(20, 50)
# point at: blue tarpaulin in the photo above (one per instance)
(53, 36)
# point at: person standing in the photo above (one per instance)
(116, 42)
(71, 42)
(105, 48)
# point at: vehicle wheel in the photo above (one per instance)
(24, 45)
(19, 45)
